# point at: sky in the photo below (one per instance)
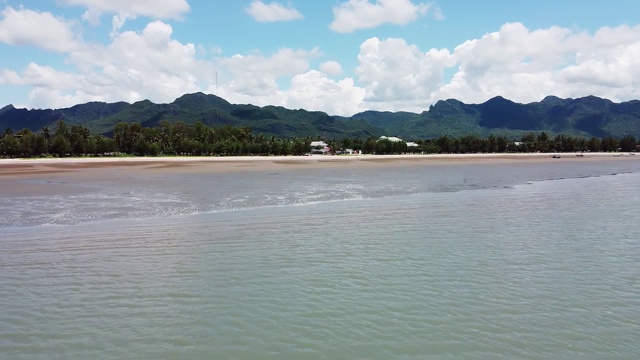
(337, 56)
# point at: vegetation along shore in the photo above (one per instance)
(182, 139)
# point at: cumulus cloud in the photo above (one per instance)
(257, 75)
(50, 85)
(157, 9)
(313, 90)
(284, 79)
(150, 62)
(117, 22)
(39, 29)
(611, 61)
(515, 62)
(355, 15)
(9, 77)
(331, 68)
(526, 65)
(135, 66)
(399, 75)
(272, 12)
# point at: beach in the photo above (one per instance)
(112, 166)
(42, 176)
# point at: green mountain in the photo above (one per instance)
(215, 111)
(588, 116)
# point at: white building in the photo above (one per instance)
(318, 144)
(319, 147)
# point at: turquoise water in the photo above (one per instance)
(501, 262)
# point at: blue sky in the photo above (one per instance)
(338, 56)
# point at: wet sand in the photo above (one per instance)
(32, 177)
(113, 167)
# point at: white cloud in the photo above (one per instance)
(8, 77)
(314, 91)
(46, 76)
(514, 62)
(525, 65)
(272, 12)
(258, 75)
(156, 9)
(254, 79)
(135, 66)
(398, 75)
(331, 68)
(40, 29)
(117, 22)
(51, 86)
(149, 63)
(361, 14)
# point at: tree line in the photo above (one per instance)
(471, 144)
(198, 139)
(167, 139)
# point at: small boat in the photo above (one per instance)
(556, 156)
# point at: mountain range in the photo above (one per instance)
(588, 116)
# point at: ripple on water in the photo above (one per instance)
(508, 273)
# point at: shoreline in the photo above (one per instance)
(44, 176)
(112, 166)
(309, 157)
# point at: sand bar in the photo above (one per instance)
(108, 166)
(54, 176)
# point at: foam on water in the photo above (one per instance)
(168, 195)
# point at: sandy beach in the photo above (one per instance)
(111, 167)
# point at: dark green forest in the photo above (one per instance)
(198, 139)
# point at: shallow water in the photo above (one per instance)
(456, 261)
(66, 200)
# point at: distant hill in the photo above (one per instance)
(587, 116)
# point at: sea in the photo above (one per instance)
(526, 260)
